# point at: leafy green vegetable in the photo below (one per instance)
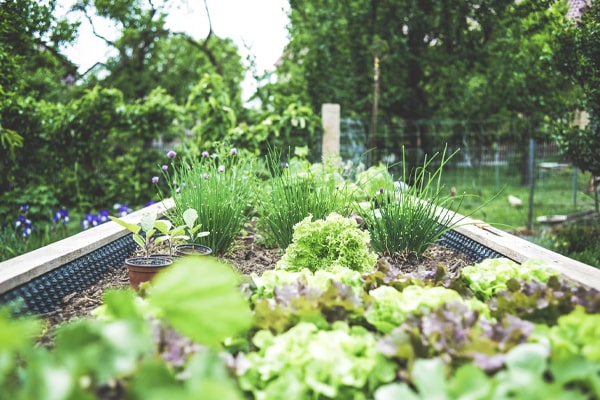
(325, 244)
(306, 362)
(491, 275)
(320, 279)
(186, 296)
(576, 334)
(392, 307)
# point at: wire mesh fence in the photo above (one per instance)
(490, 158)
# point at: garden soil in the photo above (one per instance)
(248, 257)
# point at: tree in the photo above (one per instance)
(578, 56)
(150, 55)
(461, 60)
(30, 41)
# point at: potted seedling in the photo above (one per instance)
(170, 233)
(192, 230)
(143, 268)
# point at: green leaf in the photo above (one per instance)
(147, 222)
(470, 383)
(163, 226)
(198, 296)
(134, 228)
(189, 217)
(395, 391)
(429, 376)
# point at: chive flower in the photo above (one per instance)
(233, 151)
(155, 179)
(205, 154)
(171, 154)
(221, 168)
(165, 167)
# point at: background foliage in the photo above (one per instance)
(98, 133)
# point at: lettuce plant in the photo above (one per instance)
(492, 275)
(309, 363)
(328, 243)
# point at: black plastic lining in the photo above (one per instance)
(472, 249)
(44, 293)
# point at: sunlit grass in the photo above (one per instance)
(489, 188)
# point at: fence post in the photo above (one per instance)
(330, 115)
(531, 183)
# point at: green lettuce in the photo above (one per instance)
(266, 283)
(329, 243)
(491, 275)
(306, 362)
(392, 307)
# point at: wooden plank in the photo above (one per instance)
(521, 250)
(21, 269)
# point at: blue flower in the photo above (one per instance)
(103, 216)
(61, 215)
(90, 220)
(23, 208)
(122, 210)
(25, 225)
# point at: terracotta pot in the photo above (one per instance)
(192, 249)
(143, 269)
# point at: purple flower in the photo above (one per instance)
(24, 208)
(61, 215)
(165, 167)
(122, 209)
(171, 154)
(90, 220)
(205, 154)
(233, 151)
(380, 190)
(103, 216)
(25, 225)
(155, 179)
(221, 168)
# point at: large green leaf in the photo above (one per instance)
(198, 296)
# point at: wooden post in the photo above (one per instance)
(330, 115)
(373, 129)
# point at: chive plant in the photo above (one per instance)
(219, 187)
(297, 190)
(411, 218)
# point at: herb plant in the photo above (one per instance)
(219, 187)
(410, 219)
(295, 190)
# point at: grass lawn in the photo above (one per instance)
(488, 187)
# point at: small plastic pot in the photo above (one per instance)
(192, 249)
(143, 269)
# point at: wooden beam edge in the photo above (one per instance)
(22, 269)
